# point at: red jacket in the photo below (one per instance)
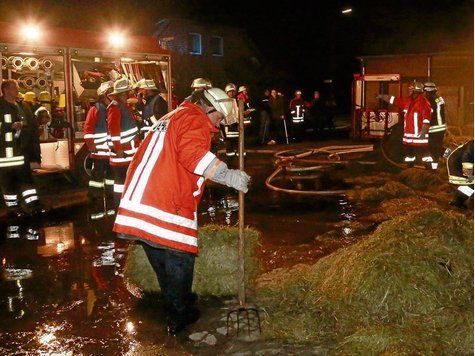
(95, 131)
(417, 113)
(165, 181)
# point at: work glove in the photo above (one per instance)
(237, 179)
(379, 96)
(218, 172)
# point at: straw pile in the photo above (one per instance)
(216, 267)
(405, 289)
(420, 179)
(376, 194)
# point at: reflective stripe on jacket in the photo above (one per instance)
(10, 149)
(123, 133)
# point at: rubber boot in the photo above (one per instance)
(459, 200)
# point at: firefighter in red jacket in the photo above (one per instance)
(164, 186)
(417, 118)
(123, 135)
(101, 184)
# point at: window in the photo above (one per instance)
(166, 42)
(216, 46)
(194, 43)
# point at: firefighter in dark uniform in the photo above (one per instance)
(437, 124)
(460, 171)
(297, 112)
(15, 176)
(101, 183)
(232, 129)
(154, 106)
(122, 134)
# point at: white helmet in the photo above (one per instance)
(105, 87)
(121, 86)
(242, 88)
(146, 84)
(220, 100)
(298, 92)
(229, 87)
(429, 86)
(201, 83)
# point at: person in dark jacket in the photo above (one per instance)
(460, 171)
(29, 135)
(152, 105)
(277, 117)
(437, 124)
(15, 176)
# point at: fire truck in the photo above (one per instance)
(372, 118)
(63, 67)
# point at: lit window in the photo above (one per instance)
(216, 46)
(194, 43)
(166, 42)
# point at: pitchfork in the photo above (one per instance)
(243, 308)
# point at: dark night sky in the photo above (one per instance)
(310, 40)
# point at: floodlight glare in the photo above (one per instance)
(31, 32)
(347, 10)
(116, 39)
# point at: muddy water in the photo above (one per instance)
(61, 289)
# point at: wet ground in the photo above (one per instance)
(61, 289)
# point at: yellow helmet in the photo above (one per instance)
(29, 96)
(44, 96)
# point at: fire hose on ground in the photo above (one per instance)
(290, 163)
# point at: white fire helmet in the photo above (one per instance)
(121, 86)
(201, 83)
(220, 100)
(229, 87)
(146, 84)
(429, 86)
(105, 87)
(298, 92)
(417, 87)
(242, 88)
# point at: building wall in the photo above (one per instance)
(238, 64)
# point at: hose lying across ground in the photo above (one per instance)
(301, 162)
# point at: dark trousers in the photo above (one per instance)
(174, 270)
(101, 176)
(436, 145)
(16, 181)
(119, 173)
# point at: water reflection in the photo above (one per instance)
(60, 288)
(221, 210)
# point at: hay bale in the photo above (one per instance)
(216, 267)
(420, 179)
(407, 288)
(376, 194)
